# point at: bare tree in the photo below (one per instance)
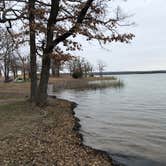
(87, 69)
(0, 69)
(57, 23)
(7, 49)
(32, 43)
(14, 66)
(22, 11)
(67, 19)
(23, 60)
(101, 67)
(80, 66)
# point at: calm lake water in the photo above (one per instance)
(129, 123)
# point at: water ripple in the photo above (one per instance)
(130, 123)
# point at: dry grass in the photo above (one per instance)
(30, 135)
(48, 136)
(18, 90)
(17, 118)
(68, 78)
(13, 90)
(85, 83)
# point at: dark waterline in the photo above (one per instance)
(129, 123)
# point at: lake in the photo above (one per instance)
(129, 123)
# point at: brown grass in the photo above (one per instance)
(85, 83)
(13, 90)
(10, 92)
(17, 118)
(68, 78)
(45, 136)
(30, 135)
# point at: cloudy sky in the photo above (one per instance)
(147, 51)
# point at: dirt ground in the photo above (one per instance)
(30, 135)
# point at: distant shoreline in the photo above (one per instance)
(131, 72)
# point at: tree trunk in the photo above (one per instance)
(33, 65)
(42, 89)
(57, 69)
(57, 73)
(14, 73)
(24, 73)
(53, 68)
(6, 68)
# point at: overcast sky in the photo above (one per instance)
(147, 51)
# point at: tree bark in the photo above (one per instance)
(42, 89)
(33, 65)
(57, 70)
(53, 68)
(6, 68)
(24, 72)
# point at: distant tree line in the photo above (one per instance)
(10, 58)
(13, 61)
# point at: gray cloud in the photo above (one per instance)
(147, 51)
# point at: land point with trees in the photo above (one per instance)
(49, 31)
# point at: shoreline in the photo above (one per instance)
(46, 136)
(77, 129)
(49, 135)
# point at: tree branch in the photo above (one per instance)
(79, 21)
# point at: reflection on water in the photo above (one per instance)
(129, 123)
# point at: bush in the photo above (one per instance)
(91, 75)
(77, 74)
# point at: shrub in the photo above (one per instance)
(91, 75)
(77, 74)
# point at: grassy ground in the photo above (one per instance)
(12, 90)
(17, 118)
(30, 135)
